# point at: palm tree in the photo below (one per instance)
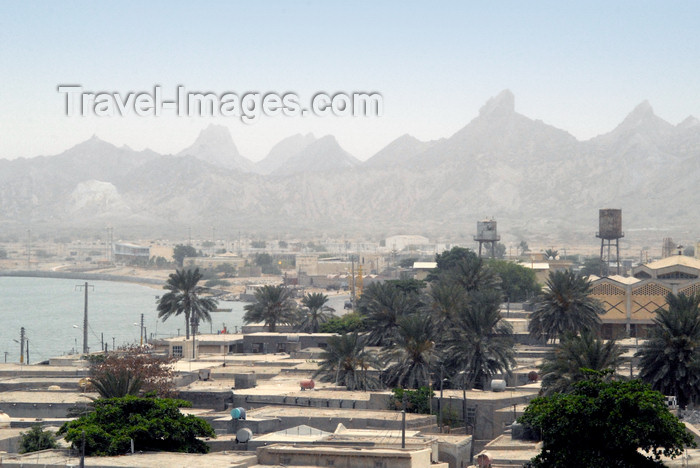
(573, 356)
(472, 274)
(184, 297)
(383, 304)
(273, 305)
(565, 307)
(670, 358)
(412, 352)
(347, 362)
(316, 313)
(117, 385)
(480, 342)
(445, 302)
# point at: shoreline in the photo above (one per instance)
(149, 282)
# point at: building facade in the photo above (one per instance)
(631, 303)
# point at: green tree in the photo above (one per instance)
(499, 250)
(348, 323)
(346, 362)
(226, 269)
(184, 296)
(315, 312)
(605, 424)
(266, 263)
(408, 286)
(154, 424)
(445, 303)
(517, 282)
(551, 254)
(383, 304)
(479, 343)
(592, 266)
(574, 357)
(273, 305)
(117, 385)
(180, 252)
(523, 247)
(471, 273)
(36, 439)
(670, 358)
(417, 401)
(411, 353)
(566, 306)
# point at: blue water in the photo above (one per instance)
(49, 308)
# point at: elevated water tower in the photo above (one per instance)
(609, 233)
(487, 233)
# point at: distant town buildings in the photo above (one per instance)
(131, 253)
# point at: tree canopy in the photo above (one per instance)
(130, 371)
(517, 282)
(180, 252)
(155, 424)
(670, 358)
(184, 297)
(574, 357)
(604, 424)
(347, 362)
(36, 439)
(273, 306)
(566, 306)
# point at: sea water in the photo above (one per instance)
(51, 312)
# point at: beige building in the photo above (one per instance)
(630, 303)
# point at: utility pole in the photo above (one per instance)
(85, 286)
(194, 335)
(352, 291)
(27, 352)
(110, 244)
(403, 421)
(29, 249)
(21, 345)
(141, 329)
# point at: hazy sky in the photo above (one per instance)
(581, 67)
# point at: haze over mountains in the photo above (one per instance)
(535, 179)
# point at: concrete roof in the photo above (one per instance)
(674, 260)
(47, 397)
(535, 265)
(270, 412)
(207, 338)
(137, 460)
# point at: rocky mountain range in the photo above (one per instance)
(535, 179)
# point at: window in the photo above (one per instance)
(281, 347)
(177, 350)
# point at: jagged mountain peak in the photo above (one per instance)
(398, 151)
(324, 154)
(642, 111)
(215, 145)
(282, 151)
(689, 122)
(501, 104)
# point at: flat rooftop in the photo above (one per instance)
(137, 460)
(270, 412)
